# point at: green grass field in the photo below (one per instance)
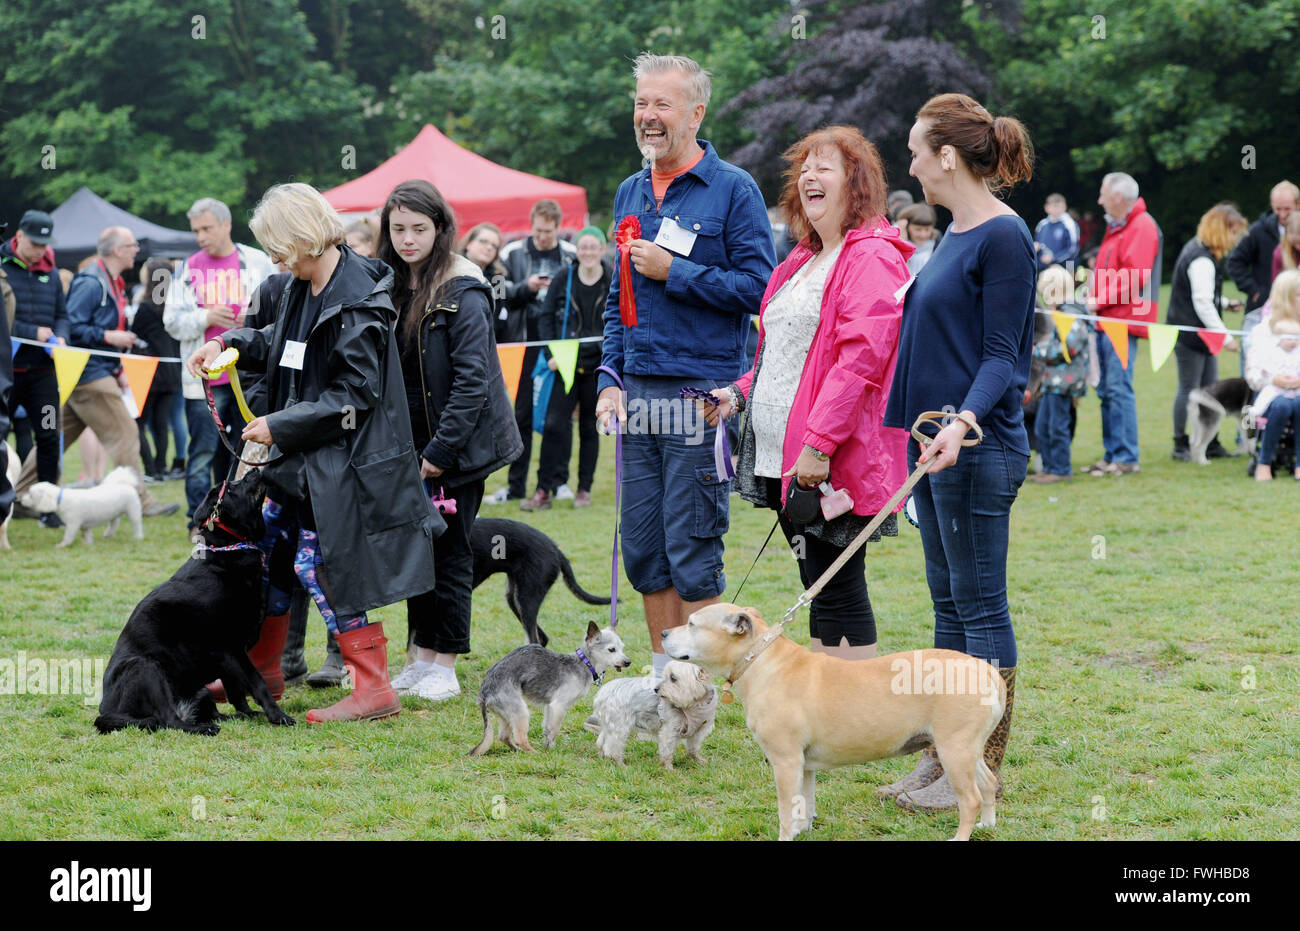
(1157, 625)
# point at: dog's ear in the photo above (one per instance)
(739, 624)
(702, 676)
(592, 630)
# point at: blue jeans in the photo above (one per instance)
(675, 505)
(205, 467)
(965, 517)
(1119, 412)
(1281, 411)
(180, 431)
(1052, 427)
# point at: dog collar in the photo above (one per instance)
(586, 662)
(748, 660)
(203, 547)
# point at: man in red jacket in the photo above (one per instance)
(1125, 286)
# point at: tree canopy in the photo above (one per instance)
(153, 106)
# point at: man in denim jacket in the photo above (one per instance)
(698, 271)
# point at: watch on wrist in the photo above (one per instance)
(816, 453)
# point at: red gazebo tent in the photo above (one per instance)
(479, 190)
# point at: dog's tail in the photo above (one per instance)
(1202, 399)
(487, 728)
(578, 590)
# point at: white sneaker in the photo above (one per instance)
(438, 685)
(404, 682)
(500, 496)
(563, 493)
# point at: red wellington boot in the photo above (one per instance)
(365, 655)
(265, 657)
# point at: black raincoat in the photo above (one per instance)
(346, 435)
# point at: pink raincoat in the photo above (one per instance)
(839, 406)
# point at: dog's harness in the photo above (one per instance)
(778, 629)
(586, 662)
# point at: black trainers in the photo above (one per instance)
(51, 521)
(1216, 451)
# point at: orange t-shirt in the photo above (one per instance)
(660, 180)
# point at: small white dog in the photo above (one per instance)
(80, 509)
(679, 711)
(12, 468)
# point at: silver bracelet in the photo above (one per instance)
(737, 401)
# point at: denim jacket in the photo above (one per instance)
(695, 323)
(92, 310)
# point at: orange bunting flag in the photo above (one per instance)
(1063, 323)
(1162, 337)
(1117, 330)
(139, 376)
(68, 366)
(512, 363)
(1212, 338)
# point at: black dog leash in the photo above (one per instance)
(735, 599)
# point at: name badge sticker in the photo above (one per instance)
(293, 354)
(675, 239)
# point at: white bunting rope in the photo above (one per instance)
(133, 355)
(1129, 321)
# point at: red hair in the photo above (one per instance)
(865, 189)
(995, 149)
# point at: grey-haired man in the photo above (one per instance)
(206, 298)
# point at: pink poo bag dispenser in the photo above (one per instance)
(834, 502)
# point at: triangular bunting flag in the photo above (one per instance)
(1162, 337)
(1212, 338)
(139, 375)
(512, 363)
(68, 366)
(565, 354)
(1117, 330)
(1064, 322)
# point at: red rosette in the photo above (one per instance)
(628, 231)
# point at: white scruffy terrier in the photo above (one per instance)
(679, 710)
(12, 468)
(80, 509)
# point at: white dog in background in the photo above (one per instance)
(80, 509)
(680, 710)
(12, 468)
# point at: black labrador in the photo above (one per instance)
(196, 627)
(531, 561)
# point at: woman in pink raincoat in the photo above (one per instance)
(816, 395)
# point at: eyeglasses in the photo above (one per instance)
(491, 245)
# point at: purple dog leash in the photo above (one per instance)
(618, 497)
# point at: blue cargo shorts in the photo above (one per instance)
(675, 504)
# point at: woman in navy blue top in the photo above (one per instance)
(965, 347)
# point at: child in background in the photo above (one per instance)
(1064, 379)
(919, 230)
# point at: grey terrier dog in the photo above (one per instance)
(534, 675)
(678, 710)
